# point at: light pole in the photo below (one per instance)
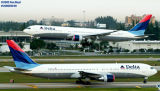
(84, 16)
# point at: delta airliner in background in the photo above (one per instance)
(79, 34)
(106, 72)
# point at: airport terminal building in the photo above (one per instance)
(17, 36)
(20, 36)
(136, 45)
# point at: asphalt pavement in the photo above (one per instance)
(73, 85)
(101, 59)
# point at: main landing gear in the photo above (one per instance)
(79, 81)
(145, 80)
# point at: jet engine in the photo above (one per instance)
(77, 38)
(107, 78)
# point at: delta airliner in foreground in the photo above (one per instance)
(106, 72)
(79, 34)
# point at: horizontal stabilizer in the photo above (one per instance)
(15, 68)
(145, 36)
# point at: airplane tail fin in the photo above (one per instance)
(140, 28)
(21, 59)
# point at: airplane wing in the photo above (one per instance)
(89, 75)
(93, 35)
(100, 34)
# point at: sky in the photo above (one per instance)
(73, 9)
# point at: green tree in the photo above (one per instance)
(21, 45)
(37, 44)
(104, 45)
(55, 23)
(71, 23)
(110, 22)
(51, 46)
(10, 26)
(153, 29)
(120, 26)
(23, 26)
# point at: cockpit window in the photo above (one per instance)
(152, 68)
(28, 28)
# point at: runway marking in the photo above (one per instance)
(33, 86)
(138, 87)
(62, 60)
(79, 86)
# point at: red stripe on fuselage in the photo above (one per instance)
(113, 78)
(74, 37)
(12, 44)
(146, 18)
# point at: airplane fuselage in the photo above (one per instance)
(55, 32)
(68, 71)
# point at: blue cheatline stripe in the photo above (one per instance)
(140, 26)
(21, 59)
(110, 78)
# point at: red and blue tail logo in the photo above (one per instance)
(139, 29)
(21, 59)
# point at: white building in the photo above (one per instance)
(135, 45)
(4, 47)
(101, 25)
(17, 36)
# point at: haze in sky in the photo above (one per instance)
(73, 9)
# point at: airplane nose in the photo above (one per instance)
(155, 71)
(25, 30)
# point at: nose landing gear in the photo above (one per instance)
(145, 80)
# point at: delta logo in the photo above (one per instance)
(130, 67)
(47, 28)
(122, 67)
(41, 27)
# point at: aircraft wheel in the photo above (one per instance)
(87, 83)
(79, 82)
(145, 81)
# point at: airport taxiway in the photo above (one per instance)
(73, 85)
(101, 59)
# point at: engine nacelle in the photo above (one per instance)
(77, 38)
(107, 78)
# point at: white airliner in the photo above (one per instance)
(106, 72)
(78, 34)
